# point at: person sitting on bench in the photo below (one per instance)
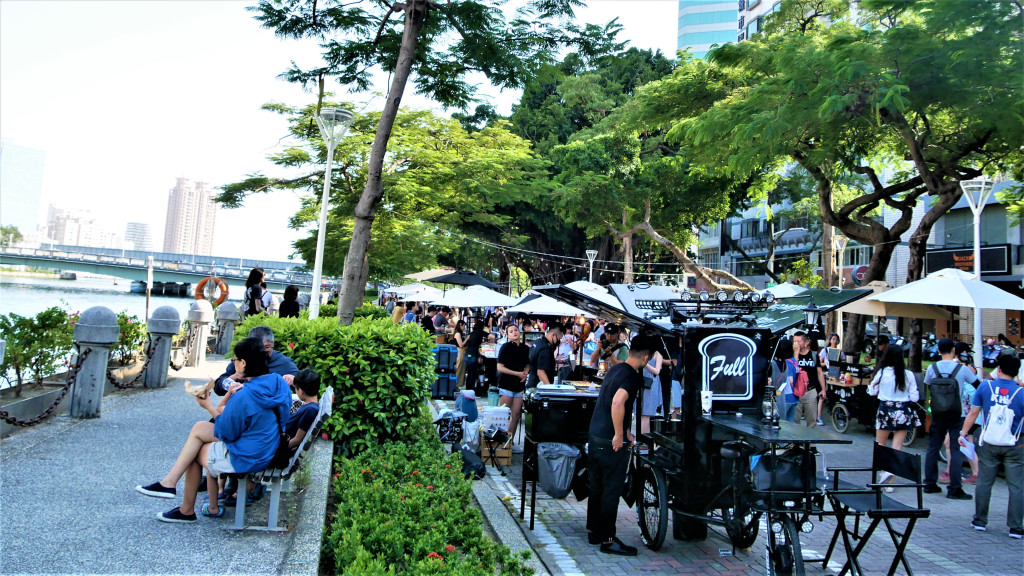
(241, 440)
(307, 388)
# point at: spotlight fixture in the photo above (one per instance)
(769, 297)
(755, 297)
(738, 296)
(704, 296)
(722, 295)
(687, 296)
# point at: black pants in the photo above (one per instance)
(607, 477)
(938, 432)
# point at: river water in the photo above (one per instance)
(29, 295)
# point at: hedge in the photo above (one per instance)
(380, 372)
(405, 508)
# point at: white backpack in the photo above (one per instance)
(998, 422)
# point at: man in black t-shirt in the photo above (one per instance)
(808, 361)
(513, 363)
(609, 445)
(542, 356)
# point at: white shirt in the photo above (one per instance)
(883, 385)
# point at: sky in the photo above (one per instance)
(124, 97)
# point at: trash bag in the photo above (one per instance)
(556, 464)
(471, 435)
(472, 466)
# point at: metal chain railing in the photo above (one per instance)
(220, 336)
(72, 375)
(150, 351)
(193, 333)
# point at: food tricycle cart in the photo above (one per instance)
(733, 464)
(847, 399)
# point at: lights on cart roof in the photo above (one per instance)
(738, 296)
(769, 297)
(755, 297)
(722, 295)
(704, 296)
(687, 296)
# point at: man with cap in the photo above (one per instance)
(608, 449)
(947, 367)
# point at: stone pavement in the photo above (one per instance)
(68, 503)
(943, 544)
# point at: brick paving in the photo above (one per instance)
(943, 544)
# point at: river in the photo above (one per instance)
(29, 295)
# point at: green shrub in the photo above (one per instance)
(371, 311)
(405, 508)
(133, 335)
(36, 347)
(381, 373)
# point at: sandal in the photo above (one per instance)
(206, 511)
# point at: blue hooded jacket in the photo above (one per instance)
(248, 426)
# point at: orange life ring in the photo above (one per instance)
(200, 289)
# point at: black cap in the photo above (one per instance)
(962, 347)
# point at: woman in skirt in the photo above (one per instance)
(896, 388)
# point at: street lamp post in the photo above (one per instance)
(333, 123)
(977, 193)
(591, 255)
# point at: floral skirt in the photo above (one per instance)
(893, 415)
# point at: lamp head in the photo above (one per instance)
(811, 314)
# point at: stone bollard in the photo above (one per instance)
(227, 319)
(163, 325)
(199, 318)
(96, 332)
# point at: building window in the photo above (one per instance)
(710, 259)
(750, 228)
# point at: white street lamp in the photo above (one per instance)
(591, 255)
(977, 193)
(333, 123)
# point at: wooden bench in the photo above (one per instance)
(276, 478)
(877, 507)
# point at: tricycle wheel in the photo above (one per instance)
(652, 508)
(741, 526)
(911, 436)
(784, 554)
(841, 418)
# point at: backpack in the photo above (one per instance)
(800, 382)
(998, 422)
(945, 395)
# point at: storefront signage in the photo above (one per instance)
(728, 369)
(994, 259)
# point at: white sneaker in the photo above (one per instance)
(821, 422)
(517, 449)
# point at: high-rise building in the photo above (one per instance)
(191, 216)
(137, 233)
(76, 227)
(703, 23)
(21, 186)
(751, 16)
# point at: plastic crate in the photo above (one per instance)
(495, 417)
(443, 387)
(445, 357)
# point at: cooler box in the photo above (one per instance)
(446, 356)
(443, 387)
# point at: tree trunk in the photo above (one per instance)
(627, 250)
(876, 271)
(353, 279)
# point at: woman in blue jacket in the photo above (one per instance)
(245, 433)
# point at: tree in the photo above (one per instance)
(927, 89)
(439, 179)
(440, 44)
(9, 235)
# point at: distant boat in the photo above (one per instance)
(138, 286)
(64, 275)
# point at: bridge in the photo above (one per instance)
(167, 267)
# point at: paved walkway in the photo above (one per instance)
(943, 544)
(68, 503)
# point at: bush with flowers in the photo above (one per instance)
(132, 336)
(405, 508)
(380, 372)
(36, 346)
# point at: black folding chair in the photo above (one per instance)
(877, 506)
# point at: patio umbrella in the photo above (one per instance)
(786, 290)
(426, 274)
(461, 278)
(595, 291)
(871, 307)
(540, 305)
(951, 287)
(407, 289)
(473, 297)
(425, 294)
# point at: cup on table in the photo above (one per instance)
(705, 401)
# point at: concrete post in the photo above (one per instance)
(163, 325)
(199, 318)
(227, 319)
(95, 332)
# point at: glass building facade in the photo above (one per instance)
(704, 23)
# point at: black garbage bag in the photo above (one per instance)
(472, 466)
(556, 465)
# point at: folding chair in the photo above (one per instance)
(877, 506)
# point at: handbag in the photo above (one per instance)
(631, 489)
(283, 454)
(788, 473)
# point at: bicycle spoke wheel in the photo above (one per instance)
(652, 508)
(784, 554)
(840, 418)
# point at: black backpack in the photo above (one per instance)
(945, 396)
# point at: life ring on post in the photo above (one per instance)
(222, 285)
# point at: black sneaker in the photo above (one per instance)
(977, 525)
(932, 489)
(959, 495)
(175, 515)
(156, 491)
(617, 548)
(1016, 533)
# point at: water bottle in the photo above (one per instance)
(557, 380)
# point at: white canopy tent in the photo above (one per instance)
(540, 305)
(596, 291)
(473, 297)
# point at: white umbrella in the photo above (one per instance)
(595, 291)
(407, 289)
(474, 297)
(540, 305)
(425, 294)
(428, 274)
(871, 307)
(951, 287)
(786, 290)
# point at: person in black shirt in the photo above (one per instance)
(476, 338)
(609, 441)
(542, 356)
(513, 362)
(290, 305)
(809, 362)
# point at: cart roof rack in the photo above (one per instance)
(663, 311)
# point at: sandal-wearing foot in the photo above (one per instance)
(205, 510)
